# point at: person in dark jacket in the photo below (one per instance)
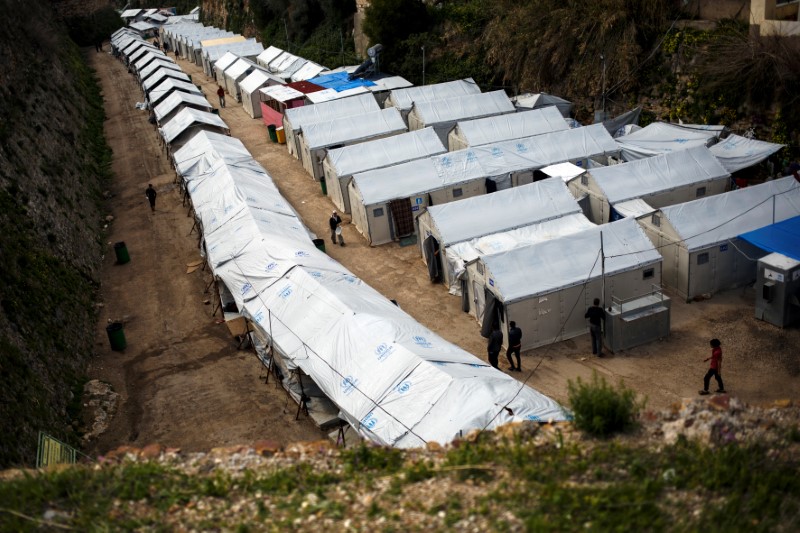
(151, 194)
(336, 231)
(596, 317)
(221, 94)
(514, 346)
(495, 345)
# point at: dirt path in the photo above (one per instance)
(185, 385)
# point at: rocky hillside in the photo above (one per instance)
(53, 162)
(704, 465)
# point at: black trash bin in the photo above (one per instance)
(116, 336)
(273, 136)
(320, 244)
(121, 251)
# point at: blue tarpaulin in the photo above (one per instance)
(782, 237)
(338, 81)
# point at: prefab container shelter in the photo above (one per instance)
(285, 65)
(661, 180)
(442, 115)
(143, 61)
(155, 80)
(699, 239)
(250, 90)
(187, 123)
(294, 119)
(154, 66)
(145, 51)
(175, 102)
(500, 128)
(545, 287)
(277, 99)
(248, 49)
(235, 73)
(319, 137)
(340, 164)
(442, 226)
(307, 71)
(268, 56)
(168, 86)
(404, 99)
(227, 59)
(660, 137)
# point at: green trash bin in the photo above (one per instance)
(121, 251)
(320, 244)
(116, 336)
(324, 187)
(273, 136)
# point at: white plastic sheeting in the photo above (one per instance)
(565, 171)
(256, 80)
(268, 56)
(146, 59)
(307, 71)
(204, 149)
(384, 152)
(716, 219)
(653, 175)
(228, 59)
(542, 100)
(298, 117)
(568, 261)
(395, 381)
(180, 98)
(736, 152)
(167, 86)
(161, 75)
(404, 99)
(353, 128)
(150, 69)
(510, 126)
(187, 118)
(633, 208)
(462, 107)
(659, 138)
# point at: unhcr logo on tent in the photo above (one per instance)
(419, 340)
(246, 288)
(471, 157)
(272, 266)
(497, 152)
(315, 274)
(521, 148)
(349, 385)
(285, 292)
(383, 351)
(446, 161)
(403, 387)
(369, 421)
(350, 279)
(259, 317)
(302, 253)
(533, 417)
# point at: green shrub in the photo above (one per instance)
(600, 409)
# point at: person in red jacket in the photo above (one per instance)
(221, 94)
(715, 368)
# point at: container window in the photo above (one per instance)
(377, 212)
(479, 266)
(584, 180)
(701, 191)
(649, 273)
(458, 193)
(656, 220)
(702, 259)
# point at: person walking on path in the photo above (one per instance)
(596, 317)
(514, 346)
(221, 94)
(151, 194)
(336, 228)
(715, 369)
(494, 346)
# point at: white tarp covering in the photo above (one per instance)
(384, 152)
(394, 380)
(185, 119)
(165, 62)
(143, 26)
(137, 58)
(281, 93)
(353, 128)
(146, 59)
(228, 59)
(309, 114)
(129, 13)
(204, 149)
(268, 56)
(462, 107)
(404, 99)
(570, 260)
(179, 98)
(510, 126)
(565, 171)
(286, 65)
(169, 85)
(542, 100)
(255, 80)
(307, 71)
(716, 219)
(664, 172)
(736, 152)
(161, 75)
(331, 95)
(502, 211)
(633, 208)
(659, 138)
(238, 68)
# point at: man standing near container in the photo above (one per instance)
(596, 317)
(221, 94)
(151, 194)
(514, 346)
(336, 228)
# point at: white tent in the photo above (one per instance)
(286, 65)
(150, 69)
(545, 287)
(442, 226)
(248, 49)
(172, 105)
(699, 239)
(147, 58)
(542, 100)
(235, 73)
(404, 99)
(661, 180)
(659, 138)
(307, 71)
(268, 56)
(153, 81)
(205, 149)
(136, 56)
(344, 131)
(500, 128)
(250, 86)
(340, 164)
(736, 152)
(186, 122)
(331, 95)
(443, 115)
(296, 118)
(166, 87)
(227, 59)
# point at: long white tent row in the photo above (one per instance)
(341, 164)
(500, 128)
(442, 226)
(158, 64)
(186, 122)
(383, 202)
(661, 180)
(545, 287)
(736, 152)
(298, 117)
(404, 99)
(175, 102)
(699, 239)
(660, 137)
(396, 382)
(249, 49)
(152, 81)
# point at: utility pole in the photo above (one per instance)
(423, 65)
(341, 44)
(286, 29)
(603, 59)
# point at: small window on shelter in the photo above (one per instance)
(479, 266)
(648, 273)
(377, 212)
(701, 191)
(656, 220)
(702, 259)
(584, 180)
(458, 193)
